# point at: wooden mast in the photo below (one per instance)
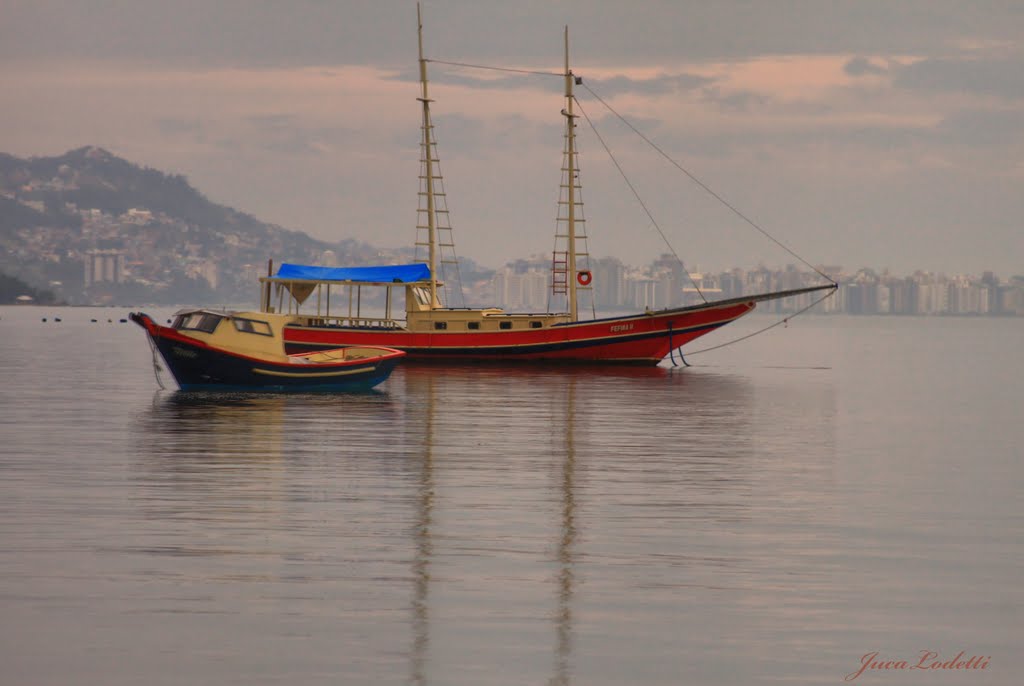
(428, 161)
(570, 132)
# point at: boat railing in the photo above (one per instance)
(346, 322)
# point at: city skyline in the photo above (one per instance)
(662, 284)
(121, 249)
(129, 256)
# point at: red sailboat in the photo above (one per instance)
(429, 330)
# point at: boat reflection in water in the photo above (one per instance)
(480, 499)
(481, 424)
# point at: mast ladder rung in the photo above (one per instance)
(559, 272)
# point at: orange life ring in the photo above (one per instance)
(584, 278)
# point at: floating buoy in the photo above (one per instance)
(44, 319)
(124, 321)
(93, 321)
(56, 319)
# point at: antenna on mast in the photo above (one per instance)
(428, 163)
(570, 164)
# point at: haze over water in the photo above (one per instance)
(770, 515)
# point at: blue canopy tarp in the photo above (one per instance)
(394, 273)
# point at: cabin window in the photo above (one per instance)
(473, 325)
(422, 295)
(535, 325)
(440, 325)
(197, 321)
(504, 325)
(253, 326)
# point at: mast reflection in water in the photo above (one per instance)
(496, 517)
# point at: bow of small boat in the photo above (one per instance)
(143, 320)
(156, 332)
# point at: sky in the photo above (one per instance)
(887, 135)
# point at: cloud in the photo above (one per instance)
(181, 127)
(1002, 77)
(983, 128)
(488, 77)
(735, 101)
(482, 78)
(246, 34)
(657, 85)
(800, 144)
(861, 66)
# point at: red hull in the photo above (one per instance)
(634, 339)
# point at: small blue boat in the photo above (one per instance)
(244, 351)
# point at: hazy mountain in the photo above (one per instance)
(162, 239)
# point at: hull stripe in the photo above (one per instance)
(529, 348)
(312, 375)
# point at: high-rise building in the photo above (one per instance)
(104, 266)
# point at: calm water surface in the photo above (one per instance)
(769, 515)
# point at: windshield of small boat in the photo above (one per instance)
(252, 326)
(197, 321)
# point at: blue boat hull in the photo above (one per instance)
(197, 367)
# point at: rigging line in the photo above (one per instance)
(484, 66)
(638, 198)
(156, 365)
(700, 183)
(760, 331)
